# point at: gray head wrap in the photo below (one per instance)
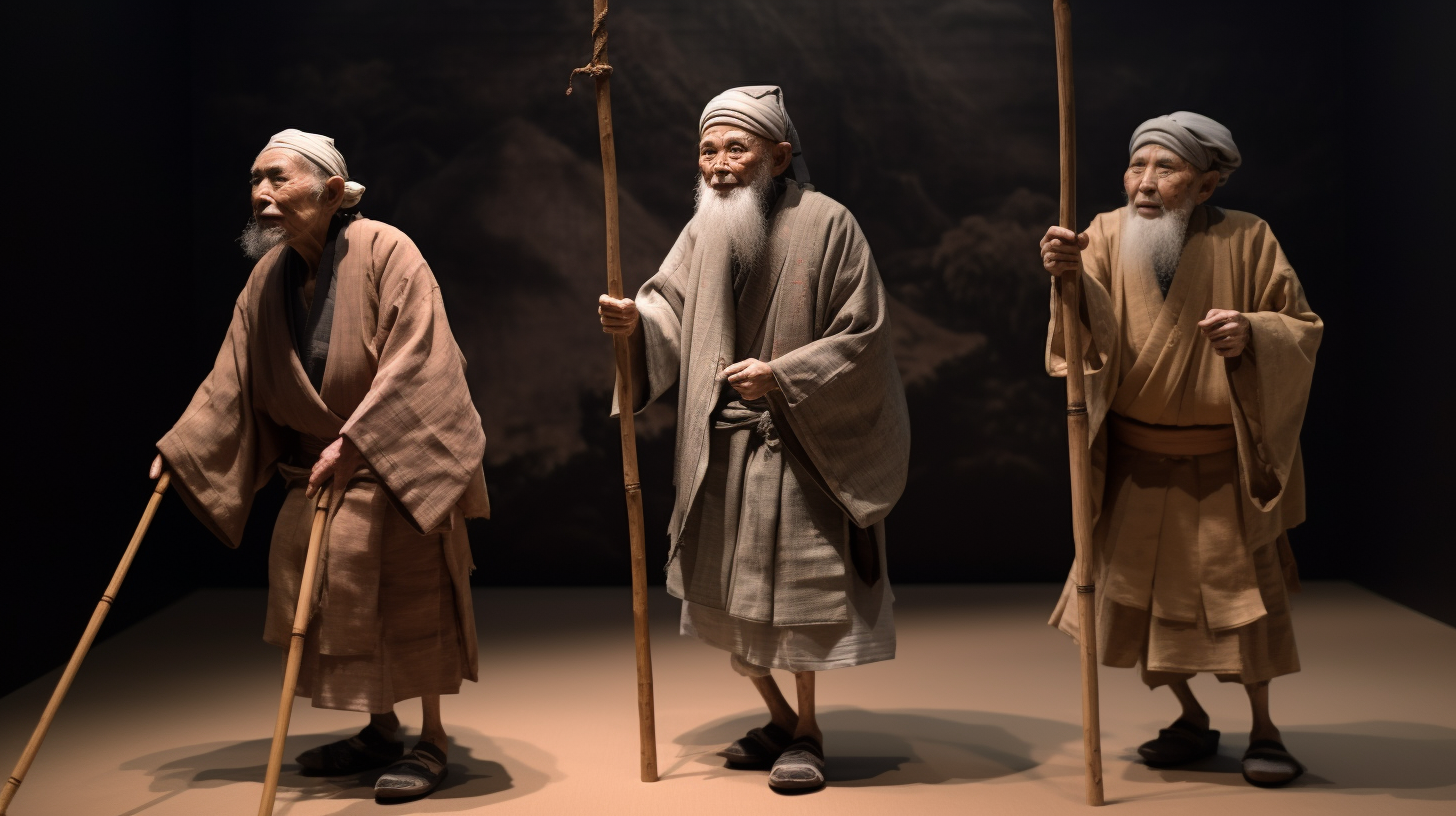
(320, 150)
(758, 109)
(1202, 142)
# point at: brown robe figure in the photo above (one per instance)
(1200, 349)
(360, 352)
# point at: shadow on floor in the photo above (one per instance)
(482, 767)
(903, 747)
(1398, 759)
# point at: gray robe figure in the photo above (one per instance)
(778, 537)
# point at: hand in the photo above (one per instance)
(1061, 250)
(156, 470)
(618, 316)
(750, 378)
(338, 462)
(1228, 330)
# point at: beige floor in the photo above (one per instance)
(980, 714)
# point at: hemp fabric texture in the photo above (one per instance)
(777, 532)
(1196, 466)
(392, 615)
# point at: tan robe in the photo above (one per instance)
(392, 616)
(780, 507)
(1196, 464)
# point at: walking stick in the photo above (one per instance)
(602, 72)
(295, 652)
(102, 607)
(1067, 288)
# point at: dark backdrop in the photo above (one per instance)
(935, 122)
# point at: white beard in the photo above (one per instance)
(1158, 242)
(742, 213)
(256, 239)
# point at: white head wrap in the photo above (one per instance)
(320, 150)
(758, 109)
(1201, 142)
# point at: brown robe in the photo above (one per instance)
(780, 506)
(1195, 458)
(392, 616)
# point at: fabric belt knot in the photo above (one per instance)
(736, 415)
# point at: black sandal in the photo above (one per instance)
(1268, 764)
(414, 777)
(362, 752)
(758, 748)
(800, 768)
(1179, 744)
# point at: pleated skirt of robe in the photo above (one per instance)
(419, 649)
(1180, 591)
(753, 505)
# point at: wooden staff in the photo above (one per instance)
(1077, 443)
(295, 652)
(102, 607)
(602, 72)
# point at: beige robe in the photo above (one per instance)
(392, 615)
(779, 514)
(1198, 477)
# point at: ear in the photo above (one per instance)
(783, 156)
(1207, 183)
(334, 197)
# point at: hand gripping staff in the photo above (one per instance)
(602, 73)
(301, 615)
(102, 607)
(1077, 442)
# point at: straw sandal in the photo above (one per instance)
(1268, 764)
(362, 752)
(1179, 744)
(800, 768)
(414, 777)
(758, 748)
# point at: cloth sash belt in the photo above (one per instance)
(735, 415)
(1169, 440)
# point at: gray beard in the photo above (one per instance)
(741, 214)
(256, 239)
(1158, 242)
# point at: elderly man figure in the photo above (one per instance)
(770, 317)
(1200, 349)
(339, 373)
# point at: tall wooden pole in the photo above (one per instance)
(102, 607)
(301, 614)
(1077, 431)
(646, 717)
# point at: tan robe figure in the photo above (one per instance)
(777, 533)
(392, 617)
(1196, 470)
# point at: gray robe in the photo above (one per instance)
(779, 512)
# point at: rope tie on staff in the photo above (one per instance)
(595, 67)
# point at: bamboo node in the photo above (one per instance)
(108, 599)
(595, 67)
(1076, 409)
(1083, 589)
(634, 487)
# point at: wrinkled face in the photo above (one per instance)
(1157, 179)
(286, 193)
(731, 157)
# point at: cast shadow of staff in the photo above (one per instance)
(902, 747)
(497, 768)
(1403, 760)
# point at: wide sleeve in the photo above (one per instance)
(1269, 383)
(660, 303)
(1098, 324)
(417, 426)
(840, 398)
(223, 450)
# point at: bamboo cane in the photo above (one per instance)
(102, 607)
(601, 72)
(295, 653)
(1077, 431)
